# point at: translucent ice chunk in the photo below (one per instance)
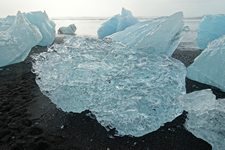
(206, 117)
(40, 20)
(157, 36)
(117, 23)
(209, 66)
(71, 29)
(210, 28)
(131, 91)
(45, 25)
(17, 41)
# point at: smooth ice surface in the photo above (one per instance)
(6, 23)
(39, 19)
(209, 66)
(45, 25)
(206, 117)
(17, 41)
(210, 28)
(71, 29)
(117, 23)
(131, 91)
(157, 36)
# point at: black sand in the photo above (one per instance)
(28, 119)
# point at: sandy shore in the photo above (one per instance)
(28, 119)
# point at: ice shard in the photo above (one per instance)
(157, 36)
(210, 28)
(17, 41)
(131, 91)
(206, 117)
(209, 66)
(117, 23)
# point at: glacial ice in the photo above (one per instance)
(157, 36)
(7, 22)
(125, 89)
(39, 19)
(17, 41)
(210, 28)
(206, 117)
(117, 23)
(71, 29)
(45, 25)
(209, 66)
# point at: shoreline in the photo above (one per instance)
(29, 120)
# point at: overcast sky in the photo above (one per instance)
(61, 8)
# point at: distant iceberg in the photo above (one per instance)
(131, 91)
(157, 36)
(117, 23)
(209, 66)
(71, 29)
(39, 19)
(206, 117)
(210, 28)
(17, 41)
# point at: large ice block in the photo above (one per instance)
(209, 66)
(39, 19)
(7, 22)
(157, 36)
(206, 117)
(210, 28)
(45, 25)
(131, 91)
(117, 23)
(17, 41)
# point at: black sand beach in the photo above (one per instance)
(29, 121)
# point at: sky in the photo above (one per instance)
(105, 8)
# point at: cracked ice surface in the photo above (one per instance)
(131, 91)
(206, 116)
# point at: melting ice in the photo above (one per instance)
(209, 66)
(124, 88)
(157, 36)
(71, 29)
(206, 117)
(40, 20)
(17, 41)
(117, 23)
(210, 28)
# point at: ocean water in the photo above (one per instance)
(89, 26)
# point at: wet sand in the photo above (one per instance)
(28, 119)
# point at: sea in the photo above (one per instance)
(89, 25)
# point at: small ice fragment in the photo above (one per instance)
(70, 30)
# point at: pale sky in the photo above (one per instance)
(100, 8)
